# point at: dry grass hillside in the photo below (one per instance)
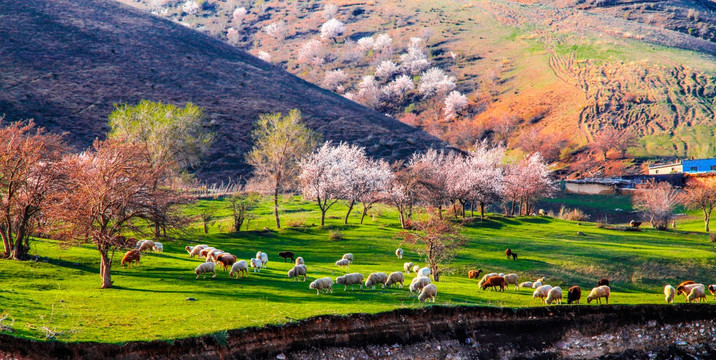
(542, 75)
(66, 62)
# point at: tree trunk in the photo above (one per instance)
(19, 252)
(7, 246)
(440, 211)
(706, 221)
(157, 230)
(206, 227)
(323, 217)
(275, 207)
(436, 273)
(482, 210)
(350, 208)
(105, 269)
(402, 219)
(365, 212)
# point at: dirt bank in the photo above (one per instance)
(435, 332)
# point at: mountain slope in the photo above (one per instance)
(66, 62)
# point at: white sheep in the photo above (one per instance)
(416, 268)
(350, 279)
(206, 251)
(554, 295)
(195, 250)
(689, 287)
(299, 261)
(511, 279)
(325, 283)
(526, 284)
(204, 268)
(298, 270)
(697, 293)
(376, 278)
(213, 255)
(256, 264)
(419, 283)
(429, 292)
(263, 257)
(139, 244)
(143, 245)
(343, 262)
(407, 266)
(598, 293)
(541, 292)
(424, 272)
(189, 249)
(240, 268)
(158, 247)
(395, 278)
(484, 278)
(536, 284)
(669, 293)
(348, 257)
(399, 253)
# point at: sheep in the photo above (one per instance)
(376, 278)
(350, 279)
(299, 261)
(424, 272)
(419, 283)
(407, 266)
(298, 270)
(205, 251)
(139, 244)
(484, 278)
(526, 284)
(635, 224)
(603, 282)
(541, 292)
(537, 283)
(196, 250)
(189, 249)
(213, 255)
(669, 292)
(686, 289)
(416, 268)
(325, 284)
(348, 257)
(681, 286)
(146, 245)
(429, 292)
(399, 253)
(696, 293)
(574, 294)
(263, 257)
(130, 257)
(286, 255)
(256, 264)
(514, 255)
(493, 282)
(158, 247)
(598, 293)
(472, 274)
(554, 295)
(508, 253)
(511, 279)
(240, 268)
(226, 260)
(342, 263)
(204, 268)
(712, 290)
(395, 278)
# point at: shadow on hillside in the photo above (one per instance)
(535, 220)
(73, 265)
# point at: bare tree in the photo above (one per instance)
(436, 240)
(611, 138)
(700, 194)
(280, 141)
(657, 200)
(241, 203)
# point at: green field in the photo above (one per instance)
(62, 296)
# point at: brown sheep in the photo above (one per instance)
(146, 246)
(603, 282)
(472, 274)
(508, 253)
(680, 288)
(574, 294)
(131, 256)
(226, 260)
(205, 251)
(493, 282)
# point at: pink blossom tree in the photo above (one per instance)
(333, 80)
(455, 103)
(432, 169)
(237, 18)
(369, 92)
(415, 59)
(366, 183)
(526, 181)
(386, 69)
(398, 88)
(311, 52)
(332, 29)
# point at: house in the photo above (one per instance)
(661, 169)
(697, 166)
(596, 186)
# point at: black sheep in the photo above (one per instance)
(286, 255)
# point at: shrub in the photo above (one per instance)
(335, 235)
(296, 222)
(572, 214)
(712, 237)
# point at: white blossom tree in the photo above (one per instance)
(366, 43)
(334, 79)
(386, 69)
(398, 88)
(383, 44)
(416, 58)
(233, 36)
(311, 52)
(190, 7)
(332, 29)
(237, 18)
(369, 92)
(263, 55)
(455, 103)
(433, 171)
(435, 81)
(276, 29)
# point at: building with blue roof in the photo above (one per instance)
(698, 165)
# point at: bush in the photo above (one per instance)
(296, 222)
(335, 235)
(572, 214)
(712, 237)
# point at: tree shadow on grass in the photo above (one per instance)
(535, 220)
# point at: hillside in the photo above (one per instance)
(545, 75)
(66, 62)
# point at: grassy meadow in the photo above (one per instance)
(61, 298)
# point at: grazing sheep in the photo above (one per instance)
(256, 264)
(472, 274)
(407, 266)
(680, 287)
(299, 261)
(343, 262)
(541, 292)
(425, 272)
(204, 268)
(697, 293)
(493, 282)
(298, 270)
(130, 257)
(526, 284)
(416, 268)
(635, 224)
(287, 255)
(686, 289)
(240, 268)
(196, 250)
(399, 253)
(508, 253)
(146, 245)
(514, 255)
(350, 279)
(189, 249)
(511, 279)
(213, 255)
(537, 283)
(226, 260)
(376, 278)
(429, 292)
(603, 282)
(484, 278)
(554, 295)
(158, 247)
(669, 292)
(419, 283)
(139, 244)
(598, 293)
(205, 251)
(712, 290)
(574, 294)
(395, 278)
(263, 257)
(348, 257)
(325, 284)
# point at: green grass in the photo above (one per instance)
(148, 302)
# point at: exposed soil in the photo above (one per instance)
(574, 332)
